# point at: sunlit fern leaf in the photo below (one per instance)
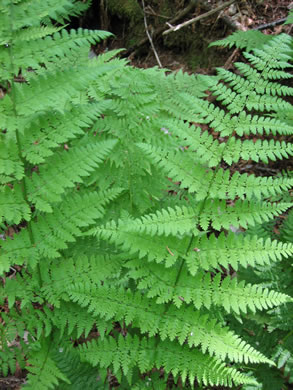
(202, 290)
(186, 324)
(223, 251)
(190, 363)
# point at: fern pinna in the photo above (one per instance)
(119, 255)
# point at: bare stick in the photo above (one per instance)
(159, 31)
(269, 25)
(197, 18)
(149, 36)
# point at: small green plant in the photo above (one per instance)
(118, 219)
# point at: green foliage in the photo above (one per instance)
(272, 332)
(248, 40)
(290, 18)
(120, 226)
(125, 8)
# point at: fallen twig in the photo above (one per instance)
(159, 31)
(197, 18)
(153, 13)
(149, 36)
(232, 58)
(272, 24)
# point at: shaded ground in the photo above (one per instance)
(186, 49)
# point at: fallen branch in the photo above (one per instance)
(160, 30)
(234, 25)
(149, 36)
(228, 21)
(197, 18)
(269, 25)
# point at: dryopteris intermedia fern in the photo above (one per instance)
(118, 249)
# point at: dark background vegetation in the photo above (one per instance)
(186, 49)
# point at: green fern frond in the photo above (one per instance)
(13, 207)
(185, 324)
(11, 167)
(156, 248)
(31, 13)
(189, 363)
(102, 241)
(157, 241)
(70, 319)
(10, 353)
(182, 220)
(244, 40)
(43, 371)
(184, 167)
(82, 376)
(241, 85)
(57, 130)
(259, 150)
(202, 290)
(81, 269)
(63, 170)
(246, 95)
(54, 231)
(43, 51)
(223, 251)
(44, 92)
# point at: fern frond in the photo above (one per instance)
(31, 13)
(75, 321)
(10, 353)
(112, 242)
(48, 92)
(63, 170)
(223, 250)
(81, 269)
(186, 324)
(156, 239)
(46, 132)
(202, 290)
(127, 352)
(13, 207)
(52, 232)
(182, 220)
(43, 371)
(44, 51)
(82, 376)
(156, 248)
(240, 84)
(259, 150)
(244, 40)
(184, 167)
(11, 167)
(246, 95)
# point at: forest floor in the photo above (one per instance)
(179, 52)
